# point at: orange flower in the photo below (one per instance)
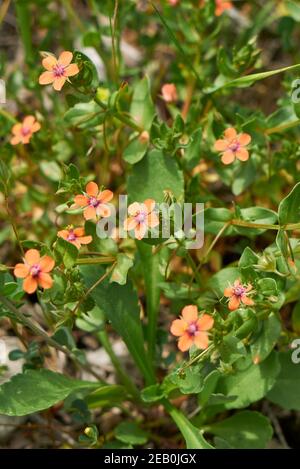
(34, 271)
(173, 2)
(169, 93)
(192, 329)
(233, 146)
(58, 71)
(22, 132)
(142, 217)
(238, 294)
(94, 201)
(75, 236)
(221, 6)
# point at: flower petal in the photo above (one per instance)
(190, 313)
(105, 196)
(59, 83)
(140, 231)
(103, 211)
(65, 58)
(36, 126)
(130, 223)
(150, 205)
(185, 342)
(30, 284)
(247, 301)
(228, 157)
(85, 239)
(49, 62)
(28, 122)
(81, 200)
(79, 232)
(228, 292)
(220, 145)
(244, 139)
(230, 133)
(32, 256)
(178, 327)
(45, 281)
(71, 70)
(152, 220)
(46, 77)
(21, 270)
(234, 303)
(63, 234)
(47, 263)
(89, 213)
(205, 322)
(92, 189)
(201, 340)
(134, 208)
(15, 140)
(16, 129)
(242, 154)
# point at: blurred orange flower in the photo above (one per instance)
(221, 6)
(75, 236)
(233, 146)
(142, 217)
(35, 271)
(22, 132)
(237, 294)
(58, 70)
(169, 93)
(94, 201)
(192, 329)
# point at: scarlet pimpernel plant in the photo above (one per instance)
(150, 220)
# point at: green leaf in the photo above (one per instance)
(250, 384)
(130, 432)
(51, 170)
(192, 154)
(222, 279)
(152, 176)
(120, 271)
(92, 321)
(142, 108)
(289, 207)
(84, 115)
(286, 391)
(192, 435)
(65, 252)
(37, 390)
(267, 286)
(216, 218)
(189, 383)
(248, 80)
(120, 305)
(296, 316)
(135, 151)
(106, 396)
(244, 430)
(265, 340)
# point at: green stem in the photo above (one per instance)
(262, 226)
(37, 330)
(121, 117)
(124, 378)
(95, 260)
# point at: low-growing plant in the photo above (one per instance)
(150, 197)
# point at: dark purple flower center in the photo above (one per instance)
(239, 291)
(59, 70)
(234, 146)
(192, 328)
(35, 270)
(140, 217)
(71, 236)
(94, 202)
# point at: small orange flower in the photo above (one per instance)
(233, 146)
(238, 294)
(169, 93)
(221, 6)
(75, 236)
(142, 217)
(22, 132)
(34, 271)
(94, 201)
(192, 329)
(173, 2)
(58, 71)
